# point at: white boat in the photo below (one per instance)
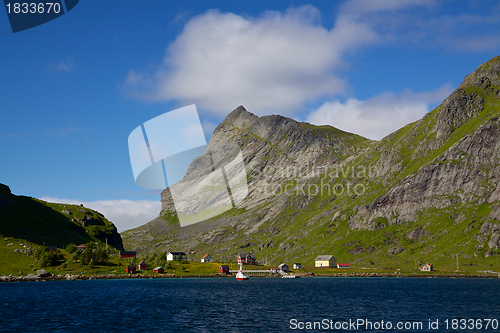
(285, 275)
(290, 276)
(240, 276)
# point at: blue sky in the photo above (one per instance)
(73, 89)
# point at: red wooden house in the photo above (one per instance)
(346, 265)
(246, 259)
(125, 254)
(224, 269)
(159, 270)
(131, 269)
(142, 266)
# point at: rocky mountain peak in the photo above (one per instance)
(485, 76)
(468, 100)
(241, 118)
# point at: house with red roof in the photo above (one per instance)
(246, 259)
(159, 270)
(142, 266)
(81, 247)
(129, 254)
(425, 268)
(207, 258)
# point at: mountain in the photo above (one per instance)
(426, 192)
(56, 224)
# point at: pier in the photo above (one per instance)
(257, 272)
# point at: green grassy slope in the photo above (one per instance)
(43, 223)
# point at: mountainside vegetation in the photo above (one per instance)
(426, 193)
(53, 224)
(37, 234)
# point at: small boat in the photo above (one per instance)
(240, 276)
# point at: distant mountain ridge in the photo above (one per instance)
(429, 190)
(55, 224)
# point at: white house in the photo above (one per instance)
(172, 256)
(425, 268)
(325, 261)
(207, 258)
(297, 266)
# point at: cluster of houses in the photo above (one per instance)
(142, 265)
(327, 261)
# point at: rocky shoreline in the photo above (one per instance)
(397, 275)
(70, 277)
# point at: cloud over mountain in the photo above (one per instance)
(379, 115)
(272, 63)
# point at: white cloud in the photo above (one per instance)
(380, 115)
(276, 62)
(282, 62)
(125, 214)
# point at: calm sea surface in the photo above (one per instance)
(257, 305)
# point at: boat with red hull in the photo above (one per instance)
(240, 276)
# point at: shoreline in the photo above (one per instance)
(70, 277)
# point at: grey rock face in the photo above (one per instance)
(486, 75)
(494, 242)
(395, 250)
(275, 149)
(89, 220)
(466, 170)
(417, 233)
(456, 110)
(462, 168)
(23, 251)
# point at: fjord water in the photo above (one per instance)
(227, 305)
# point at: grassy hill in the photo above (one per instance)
(45, 223)
(28, 224)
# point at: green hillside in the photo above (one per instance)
(425, 193)
(45, 223)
